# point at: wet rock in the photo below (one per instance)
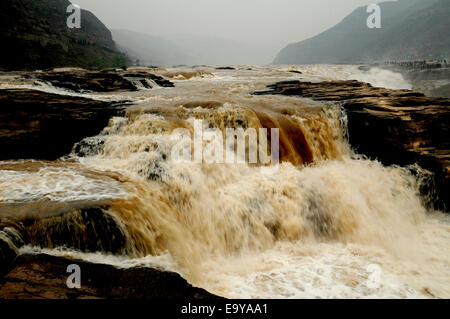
(8, 253)
(88, 81)
(225, 68)
(336, 90)
(116, 80)
(34, 35)
(89, 146)
(394, 126)
(364, 68)
(143, 76)
(39, 125)
(44, 277)
(88, 229)
(14, 236)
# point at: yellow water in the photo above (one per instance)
(314, 229)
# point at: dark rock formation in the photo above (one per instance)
(225, 68)
(8, 253)
(87, 230)
(84, 226)
(34, 35)
(364, 68)
(395, 126)
(100, 81)
(44, 277)
(84, 81)
(40, 125)
(104, 81)
(159, 80)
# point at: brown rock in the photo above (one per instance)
(44, 277)
(8, 253)
(100, 81)
(39, 125)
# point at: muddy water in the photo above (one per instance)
(327, 224)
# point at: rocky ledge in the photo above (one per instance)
(399, 127)
(44, 277)
(105, 81)
(39, 125)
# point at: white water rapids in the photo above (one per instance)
(312, 230)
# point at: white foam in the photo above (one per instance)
(162, 262)
(56, 183)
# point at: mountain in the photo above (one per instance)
(190, 49)
(150, 49)
(409, 28)
(34, 35)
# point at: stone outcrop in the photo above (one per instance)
(44, 277)
(225, 68)
(39, 125)
(89, 229)
(101, 81)
(394, 126)
(84, 226)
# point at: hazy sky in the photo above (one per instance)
(272, 22)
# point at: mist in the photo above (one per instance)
(264, 27)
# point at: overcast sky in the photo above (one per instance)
(272, 22)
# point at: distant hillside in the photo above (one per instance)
(409, 28)
(190, 49)
(150, 49)
(34, 35)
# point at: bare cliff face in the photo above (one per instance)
(34, 35)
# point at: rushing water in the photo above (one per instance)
(322, 226)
